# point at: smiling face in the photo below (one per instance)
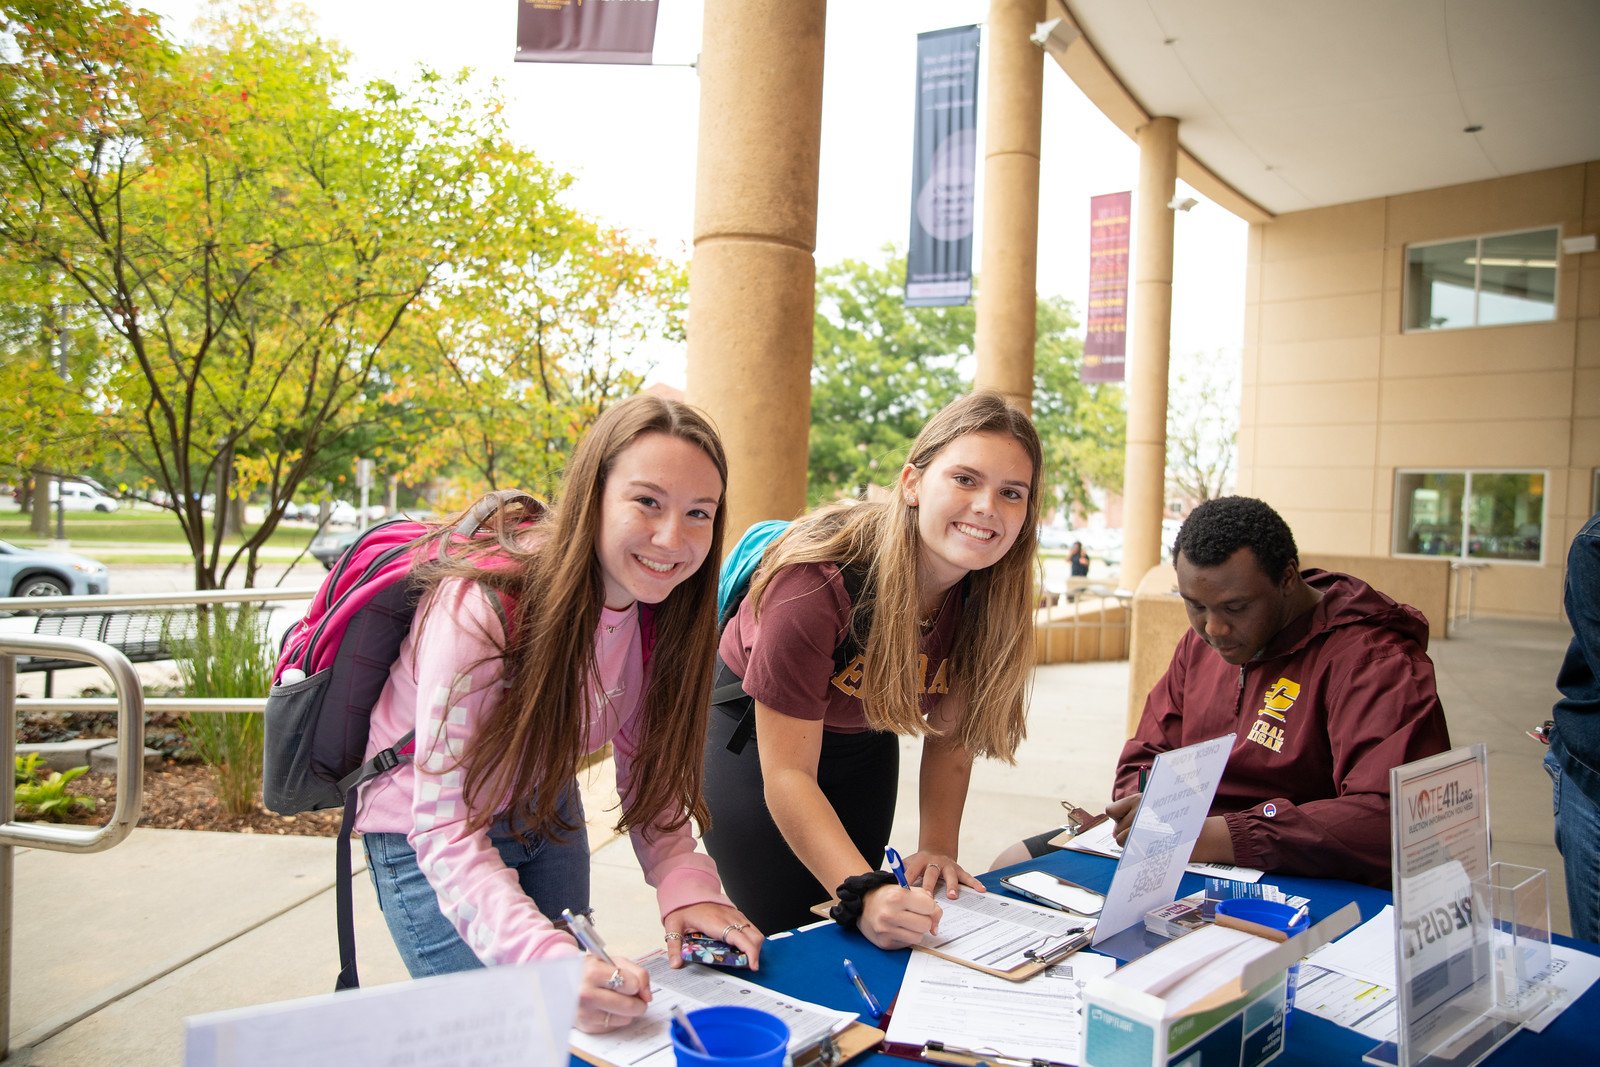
(1236, 606)
(656, 515)
(972, 502)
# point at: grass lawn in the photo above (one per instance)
(87, 528)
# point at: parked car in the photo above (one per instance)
(81, 496)
(35, 572)
(329, 545)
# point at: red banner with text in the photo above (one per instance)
(1105, 349)
(586, 31)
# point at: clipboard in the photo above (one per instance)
(1050, 953)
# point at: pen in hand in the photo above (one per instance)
(584, 931)
(861, 987)
(897, 866)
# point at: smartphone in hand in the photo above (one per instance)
(698, 948)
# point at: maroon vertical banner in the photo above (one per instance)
(586, 31)
(1105, 349)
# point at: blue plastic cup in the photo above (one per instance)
(1274, 916)
(734, 1037)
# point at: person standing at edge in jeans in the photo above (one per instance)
(1574, 757)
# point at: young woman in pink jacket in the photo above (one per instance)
(594, 624)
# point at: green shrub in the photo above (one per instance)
(228, 655)
(47, 798)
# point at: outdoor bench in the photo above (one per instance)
(143, 634)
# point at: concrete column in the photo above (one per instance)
(752, 276)
(1008, 276)
(1144, 473)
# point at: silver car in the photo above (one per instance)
(36, 572)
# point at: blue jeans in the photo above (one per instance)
(555, 874)
(1578, 839)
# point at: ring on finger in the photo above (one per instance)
(608, 1019)
(672, 935)
(614, 983)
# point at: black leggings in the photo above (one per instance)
(858, 773)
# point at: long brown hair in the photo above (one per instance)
(528, 745)
(993, 652)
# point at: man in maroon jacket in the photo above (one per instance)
(1324, 681)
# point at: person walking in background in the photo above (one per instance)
(942, 620)
(607, 634)
(1078, 560)
(1573, 761)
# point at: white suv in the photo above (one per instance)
(80, 496)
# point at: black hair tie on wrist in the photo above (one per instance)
(852, 894)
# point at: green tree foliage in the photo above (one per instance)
(1083, 426)
(253, 234)
(880, 369)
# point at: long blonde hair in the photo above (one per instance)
(529, 744)
(993, 650)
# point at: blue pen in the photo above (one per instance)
(897, 866)
(861, 987)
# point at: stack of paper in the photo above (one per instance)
(1194, 966)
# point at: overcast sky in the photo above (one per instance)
(628, 136)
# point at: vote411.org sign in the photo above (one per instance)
(1444, 928)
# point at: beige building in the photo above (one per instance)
(1421, 362)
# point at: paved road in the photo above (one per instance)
(172, 577)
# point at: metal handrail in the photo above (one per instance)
(130, 777)
(134, 600)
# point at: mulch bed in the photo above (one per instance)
(180, 796)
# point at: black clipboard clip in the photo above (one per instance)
(939, 1052)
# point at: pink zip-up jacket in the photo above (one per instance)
(446, 677)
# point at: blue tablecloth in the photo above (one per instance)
(808, 965)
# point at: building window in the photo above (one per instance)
(1482, 281)
(1481, 515)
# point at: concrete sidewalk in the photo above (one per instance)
(112, 951)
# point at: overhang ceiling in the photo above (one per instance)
(1299, 105)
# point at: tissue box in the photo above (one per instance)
(1128, 1028)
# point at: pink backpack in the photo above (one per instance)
(332, 667)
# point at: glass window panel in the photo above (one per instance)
(1429, 508)
(1440, 281)
(1507, 516)
(1517, 278)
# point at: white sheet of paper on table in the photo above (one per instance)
(647, 1041)
(1101, 840)
(498, 1017)
(944, 1001)
(1365, 956)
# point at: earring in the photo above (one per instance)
(911, 502)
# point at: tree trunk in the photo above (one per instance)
(39, 517)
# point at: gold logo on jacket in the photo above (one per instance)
(1275, 703)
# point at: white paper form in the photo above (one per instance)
(647, 1041)
(1176, 798)
(1365, 958)
(997, 932)
(1365, 953)
(496, 1017)
(1101, 840)
(968, 1009)
(1350, 1002)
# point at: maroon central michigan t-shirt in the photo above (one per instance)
(786, 658)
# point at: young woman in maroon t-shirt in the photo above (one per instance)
(942, 647)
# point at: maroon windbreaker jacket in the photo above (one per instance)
(1338, 697)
